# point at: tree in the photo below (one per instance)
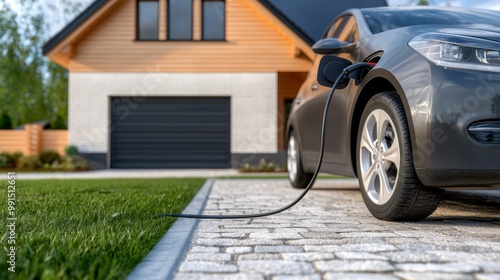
(31, 87)
(5, 121)
(8, 56)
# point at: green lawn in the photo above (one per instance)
(89, 229)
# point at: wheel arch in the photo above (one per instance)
(376, 81)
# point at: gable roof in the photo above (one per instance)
(307, 19)
(73, 25)
(310, 18)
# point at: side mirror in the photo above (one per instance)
(330, 68)
(332, 45)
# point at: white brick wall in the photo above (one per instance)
(253, 104)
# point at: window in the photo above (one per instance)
(335, 27)
(348, 32)
(180, 19)
(147, 20)
(384, 20)
(343, 29)
(213, 20)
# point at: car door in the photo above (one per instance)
(313, 99)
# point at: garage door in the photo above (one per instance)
(170, 133)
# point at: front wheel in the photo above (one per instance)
(388, 182)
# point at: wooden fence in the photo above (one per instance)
(33, 140)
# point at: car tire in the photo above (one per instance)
(296, 174)
(389, 184)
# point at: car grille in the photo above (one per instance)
(486, 132)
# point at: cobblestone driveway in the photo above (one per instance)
(331, 235)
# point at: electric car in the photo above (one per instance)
(425, 118)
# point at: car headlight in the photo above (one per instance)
(459, 52)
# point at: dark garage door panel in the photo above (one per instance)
(170, 133)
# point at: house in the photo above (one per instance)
(187, 83)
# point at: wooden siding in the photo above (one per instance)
(33, 140)
(162, 24)
(196, 19)
(253, 44)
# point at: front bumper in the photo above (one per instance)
(452, 178)
(450, 153)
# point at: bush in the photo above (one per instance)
(71, 151)
(49, 157)
(15, 157)
(58, 123)
(77, 162)
(4, 162)
(5, 121)
(263, 166)
(29, 162)
(68, 164)
(246, 168)
(10, 160)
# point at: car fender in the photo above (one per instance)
(384, 80)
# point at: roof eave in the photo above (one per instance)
(72, 26)
(310, 41)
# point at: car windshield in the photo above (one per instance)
(380, 20)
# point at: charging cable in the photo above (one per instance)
(345, 75)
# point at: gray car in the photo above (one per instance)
(425, 118)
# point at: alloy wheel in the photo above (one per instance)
(379, 157)
(292, 161)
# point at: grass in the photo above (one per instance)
(89, 229)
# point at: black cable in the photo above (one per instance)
(344, 75)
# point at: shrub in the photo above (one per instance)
(15, 157)
(73, 163)
(59, 123)
(29, 162)
(71, 151)
(10, 160)
(5, 121)
(263, 166)
(68, 164)
(81, 164)
(246, 168)
(49, 157)
(266, 167)
(4, 162)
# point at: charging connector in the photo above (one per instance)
(354, 71)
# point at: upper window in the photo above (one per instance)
(180, 19)
(209, 23)
(213, 20)
(147, 20)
